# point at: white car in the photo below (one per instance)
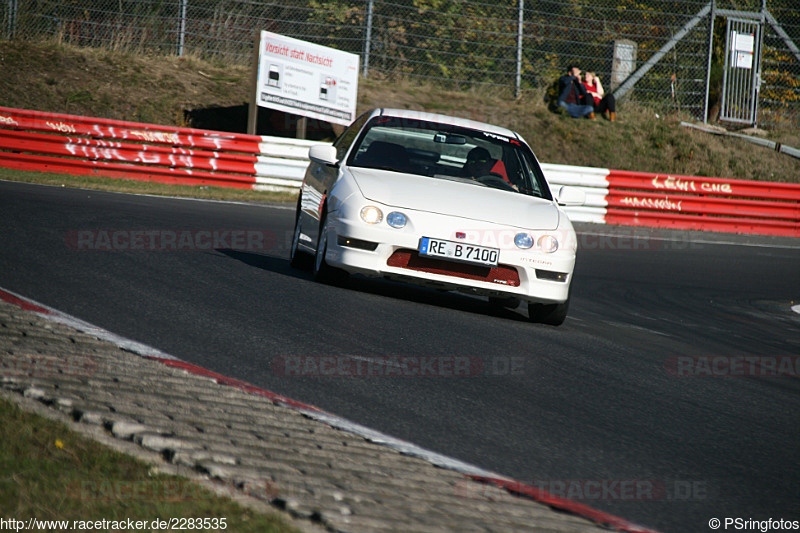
(442, 202)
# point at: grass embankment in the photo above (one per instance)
(48, 472)
(162, 89)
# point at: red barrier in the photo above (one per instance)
(709, 204)
(120, 130)
(703, 206)
(179, 176)
(94, 149)
(643, 181)
(53, 142)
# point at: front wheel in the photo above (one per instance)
(297, 259)
(323, 272)
(551, 314)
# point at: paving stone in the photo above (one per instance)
(123, 429)
(161, 443)
(90, 417)
(33, 392)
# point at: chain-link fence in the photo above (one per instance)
(654, 52)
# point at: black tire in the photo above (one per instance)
(297, 259)
(323, 272)
(551, 314)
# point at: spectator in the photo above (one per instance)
(603, 103)
(572, 94)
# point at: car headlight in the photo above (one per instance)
(396, 220)
(548, 244)
(371, 214)
(523, 240)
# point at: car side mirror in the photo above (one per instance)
(570, 196)
(324, 154)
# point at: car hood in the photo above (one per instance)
(446, 197)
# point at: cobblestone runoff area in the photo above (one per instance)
(278, 457)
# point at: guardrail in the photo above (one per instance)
(709, 204)
(592, 181)
(54, 142)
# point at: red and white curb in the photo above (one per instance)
(443, 461)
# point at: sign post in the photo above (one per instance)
(303, 79)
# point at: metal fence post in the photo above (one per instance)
(11, 30)
(367, 38)
(182, 28)
(710, 57)
(519, 49)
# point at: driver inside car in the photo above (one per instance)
(480, 163)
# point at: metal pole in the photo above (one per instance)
(367, 38)
(182, 29)
(12, 19)
(782, 34)
(710, 54)
(758, 56)
(519, 49)
(631, 80)
(252, 111)
(302, 126)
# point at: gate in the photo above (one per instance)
(742, 74)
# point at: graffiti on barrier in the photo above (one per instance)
(664, 204)
(677, 184)
(157, 136)
(61, 127)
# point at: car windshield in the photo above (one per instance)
(448, 152)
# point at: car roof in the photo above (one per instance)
(445, 119)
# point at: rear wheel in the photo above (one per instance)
(551, 314)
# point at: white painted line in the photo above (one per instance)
(54, 315)
(404, 447)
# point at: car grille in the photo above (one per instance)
(410, 259)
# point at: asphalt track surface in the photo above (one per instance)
(593, 408)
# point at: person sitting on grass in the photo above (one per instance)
(603, 103)
(572, 95)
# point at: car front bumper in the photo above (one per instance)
(378, 250)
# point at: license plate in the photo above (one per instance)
(458, 251)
